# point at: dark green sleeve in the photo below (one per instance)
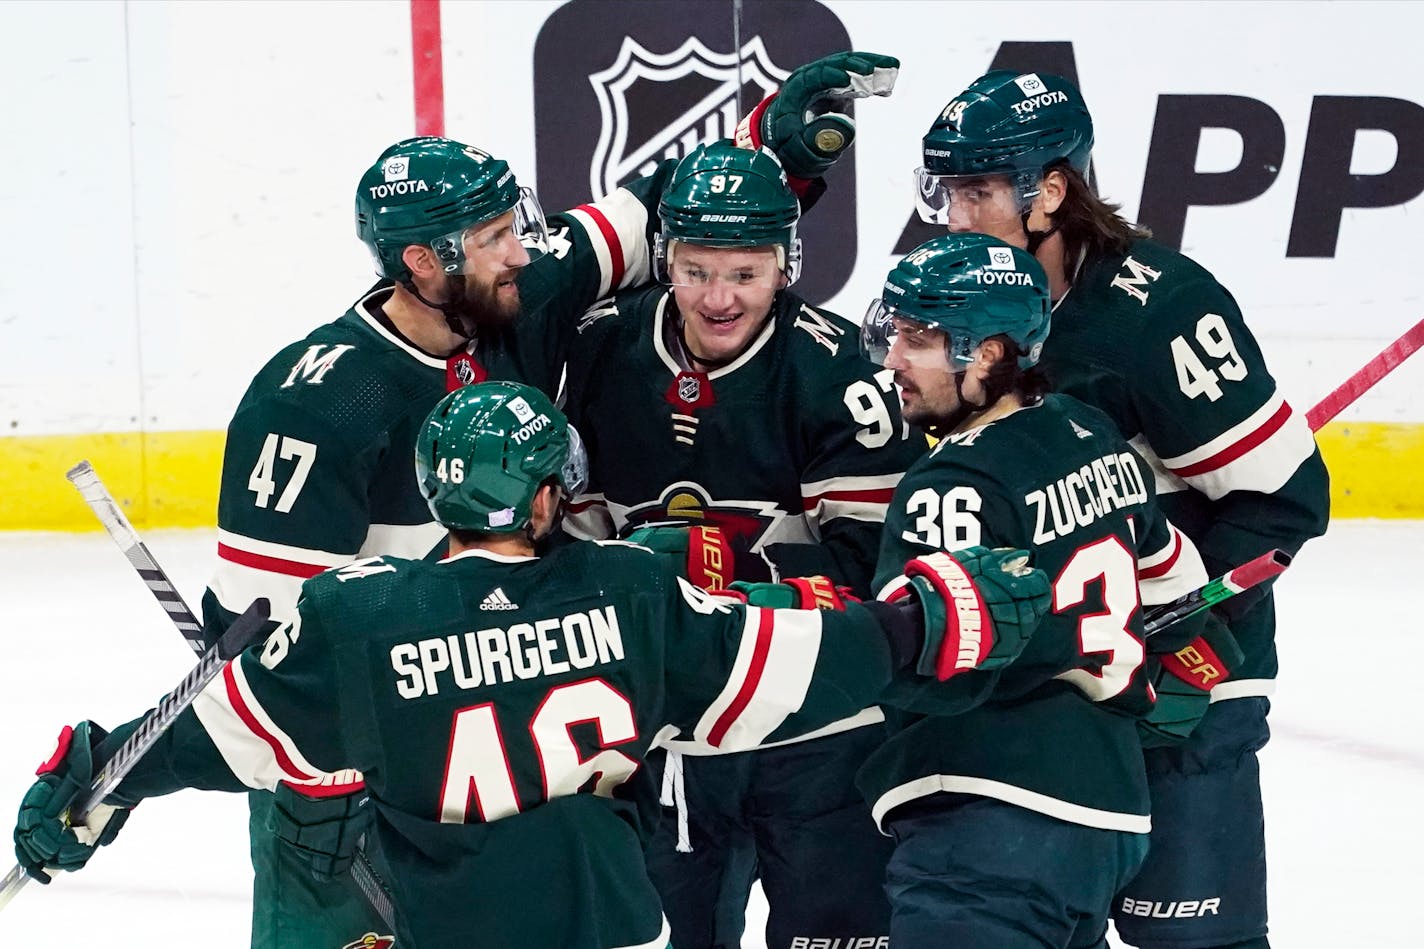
(269, 716)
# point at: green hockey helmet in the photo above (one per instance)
(1018, 125)
(484, 451)
(971, 287)
(724, 196)
(430, 190)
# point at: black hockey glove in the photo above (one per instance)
(326, 831)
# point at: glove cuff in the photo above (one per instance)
(1196, 664)
(969, 630)
(751, 133)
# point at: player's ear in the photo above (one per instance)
(990, 352)
(420, 260)
(1052, 191)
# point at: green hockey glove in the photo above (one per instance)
(979, 606)
(700, 552)
(44, 839)
(808, 123)
(797, 593)
(1182, 682)
(326, 831)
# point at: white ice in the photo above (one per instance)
(83, 639)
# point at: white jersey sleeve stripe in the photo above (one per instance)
(1175, 570)
(259, 754)
(616, 226)
(769, 679)
(1259, 454)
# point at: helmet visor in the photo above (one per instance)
(890, 337)
(527, 226)
(769, 267)
(973, 200)
(574, 473)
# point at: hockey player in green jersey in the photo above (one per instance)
(1016, 793)
(316, 470)
(500, 703)
(1150, 337)
(724, 398)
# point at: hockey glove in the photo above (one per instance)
(1182, 682)
(808, 123)
(979, 606)
(326, 831)
(44, 839)
(797, 593)
(700, 552)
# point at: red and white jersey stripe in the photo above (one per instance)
(258, 751)
(1258, 454)
(769, 679)
(862, 498)
(616, 226)
(1168, 573)
(249, 568)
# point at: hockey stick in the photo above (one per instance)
(1363, 380)
(243, 633)
(1270, 564)
(102, 503)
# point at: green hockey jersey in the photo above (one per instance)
(318, 470)
(793, 450)
(1055, 730)
(480, 693)
(1152, 339)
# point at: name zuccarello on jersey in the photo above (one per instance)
(1079, 498)
(491, 656)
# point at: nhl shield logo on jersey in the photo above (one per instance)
(463, 370)
(618, 88)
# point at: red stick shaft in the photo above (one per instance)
(1362, 381)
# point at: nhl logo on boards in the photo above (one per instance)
(616, 91)
(712, 116)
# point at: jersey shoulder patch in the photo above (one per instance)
(820, 332)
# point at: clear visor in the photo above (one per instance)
(574, 474)
(888, 337)
(528, 227)
(692, 265)
(935, 194)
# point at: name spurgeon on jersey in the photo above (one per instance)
(1079, 498)
(496, 655)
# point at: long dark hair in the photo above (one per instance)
(1088, 223)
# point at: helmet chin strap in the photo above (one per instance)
(953, 420)
(455, 316)
(1036, 238)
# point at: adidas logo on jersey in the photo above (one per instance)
(1079, 430)
(498, 601)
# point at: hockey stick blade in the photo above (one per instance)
(102, 503)
(107, 510)
(244, 632)
(1270, 564)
